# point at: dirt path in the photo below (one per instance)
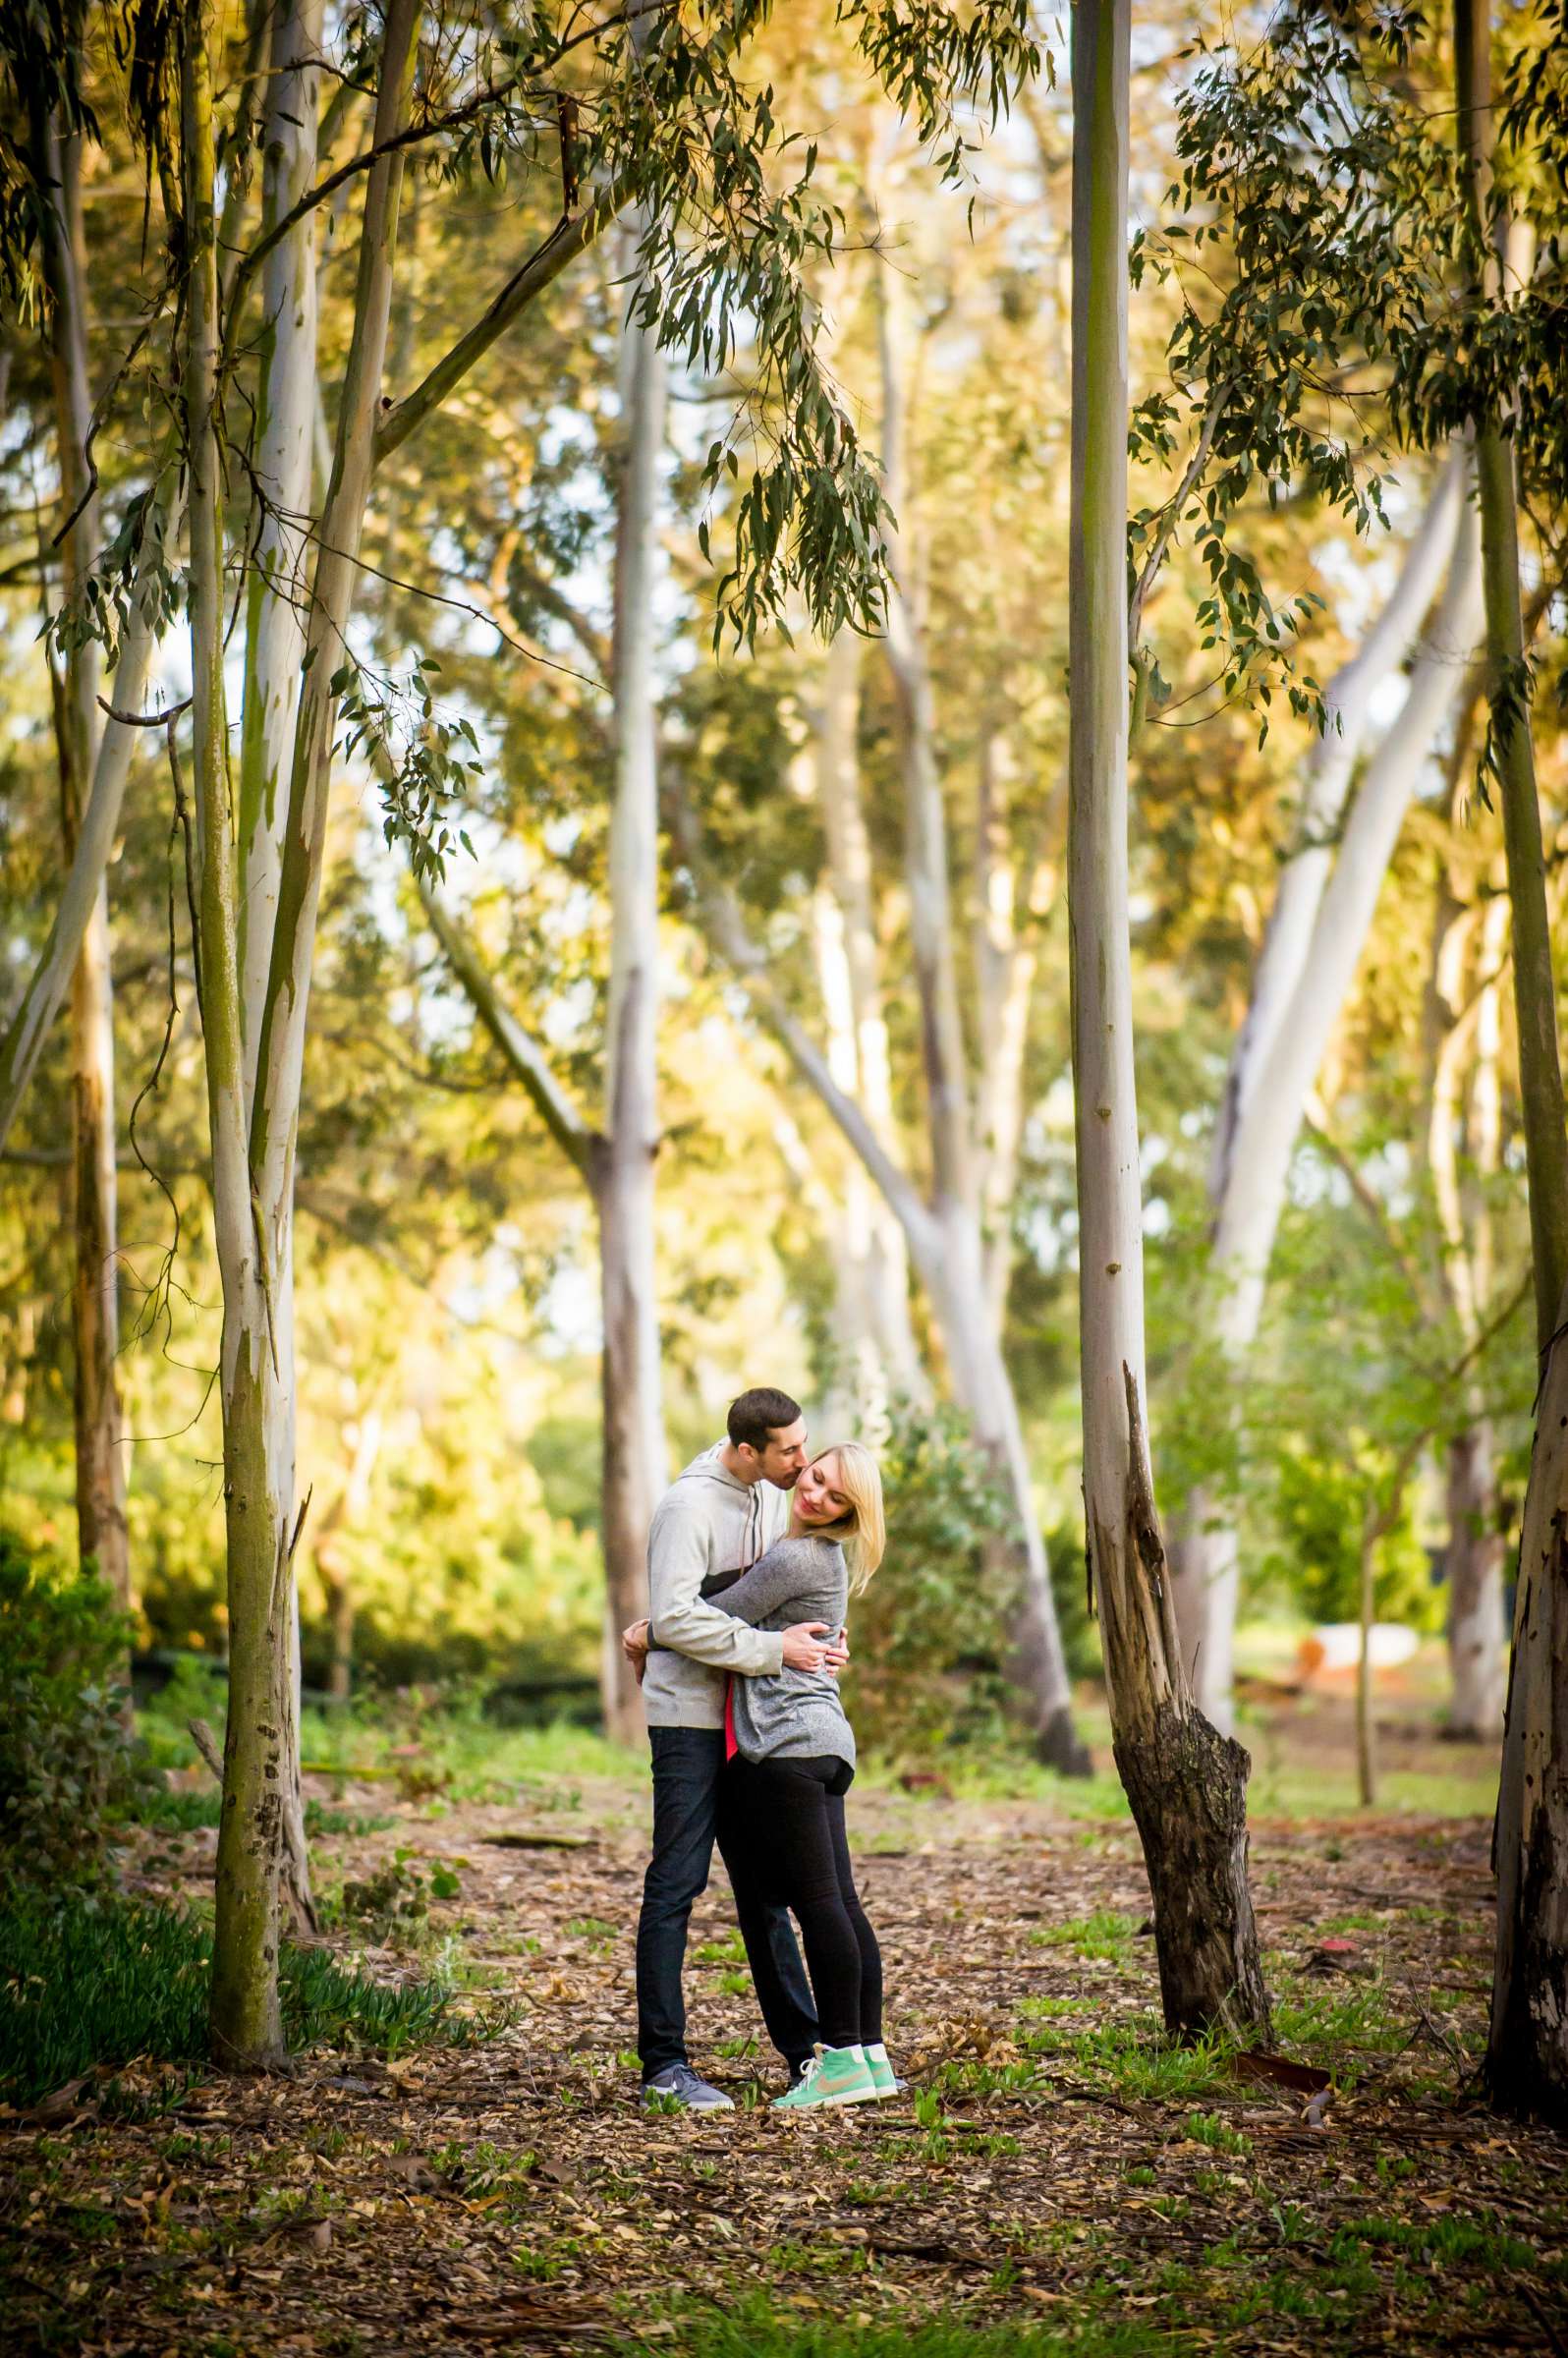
(1055, 2169)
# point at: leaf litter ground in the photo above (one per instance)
(1057, 2178)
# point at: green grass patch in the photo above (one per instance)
(83, 1986)
(187, 1813)
(1104, 1934)
(753, 2328)
(1338, 2027)
(1134, 2057)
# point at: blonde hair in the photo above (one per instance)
(862, 1530)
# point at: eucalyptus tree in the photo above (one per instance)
(669, 126)
(1314, 287)
(615, 1160)
(1519, 399)
(1186, 1783)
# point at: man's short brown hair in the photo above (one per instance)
(757, 1414)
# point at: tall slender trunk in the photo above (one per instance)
(1474, 1558)
(979, 1378)
(102, 1531)
(277, 586)
(1534, 990)
(1527, 2054)
(1005, 962)
(253, 1197)
(1273, 1103)
(1187, 1784)
(276, 595)
(926, 860)
(247, 2023)
(634, 1464)
(874, 1260)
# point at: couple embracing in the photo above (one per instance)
(753, 1557)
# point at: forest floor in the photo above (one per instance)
(1058, 2178)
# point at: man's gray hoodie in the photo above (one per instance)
(707, 1523)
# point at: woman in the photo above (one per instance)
(792, 1761)
(792, 1758)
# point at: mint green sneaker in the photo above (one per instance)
(835, 2076)
(884, 2078)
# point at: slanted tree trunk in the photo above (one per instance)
(1527, 2053)
(1326, 775)
(101, 1527)
(634, 1459)
(1187, 1784)
(99, 823)
(1274, 1100)
(945, 1254)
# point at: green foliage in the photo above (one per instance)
(1321, 202)
(102, 1983)
(931, 1635)
(67, 1773)
(1317, 1508)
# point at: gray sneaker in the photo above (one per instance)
(679, 2084)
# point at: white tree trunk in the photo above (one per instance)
(944, 1249)
(1475, 1546)
(278, 587)
(1250, 1210)
(926, 861)
(1326, 775)
(1186, 1784)
(873, 1260)
(1006, 959)
(276, 597)
(634, 1457)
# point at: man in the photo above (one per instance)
(727, 1507)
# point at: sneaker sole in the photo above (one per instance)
(831, 2104)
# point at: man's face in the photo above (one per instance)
(785, 1455)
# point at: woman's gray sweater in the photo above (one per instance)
(790, 1713)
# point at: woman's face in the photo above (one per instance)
(818, 1497)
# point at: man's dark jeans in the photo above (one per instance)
(688, 1768)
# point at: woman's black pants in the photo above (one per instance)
(786, 1819)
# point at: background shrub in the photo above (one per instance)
(67, 1772)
